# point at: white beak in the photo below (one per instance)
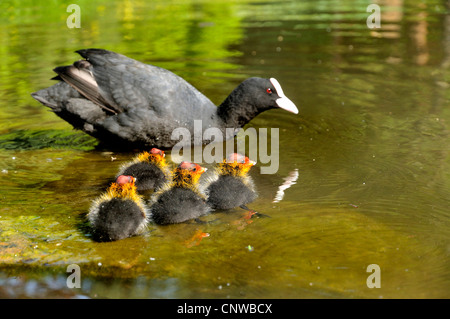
(283, 102)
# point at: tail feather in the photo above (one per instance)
(71, 106)
(80, 77)
(56, 95)
(86, 52)
(44, 101)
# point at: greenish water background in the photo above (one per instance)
(370, 146)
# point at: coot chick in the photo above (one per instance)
(119, 212)
(181, 199)
(127, 104)
(150, 170)
(231, 186)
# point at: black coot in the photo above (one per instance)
(231, 186)
(181, 199)
(126, 103)
(150, 170)
(119, 212)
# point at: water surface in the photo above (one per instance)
(368, 152)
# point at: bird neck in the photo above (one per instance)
(156, 159)
(237, 109)
(125, 191)
(185, 179)
(233, 169)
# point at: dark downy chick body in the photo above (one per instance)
(150, 170)
(231, 185)
(181, 199)
(119, 212)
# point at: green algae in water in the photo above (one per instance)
(370, 148)
(57, 139)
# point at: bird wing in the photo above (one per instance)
(80, 77)
(126, 84)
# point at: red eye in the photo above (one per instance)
(269, 91)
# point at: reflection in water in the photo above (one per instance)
(446, 38)
(196, 239)
(49, 287)
(290, 180)
(371, 142)
(419, 35)
(391, 18)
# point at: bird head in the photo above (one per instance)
(155, 156)
(123, 187)
(235, 165)
(187, 174)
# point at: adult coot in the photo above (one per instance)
(124, 102)
(119, 212)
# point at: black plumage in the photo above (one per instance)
(149, 169)
(119, 212)
(228, 192)
(230, 186)
(147, 176)
(180, 199)
(178, 205)
(126, 103)
(117, 219)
